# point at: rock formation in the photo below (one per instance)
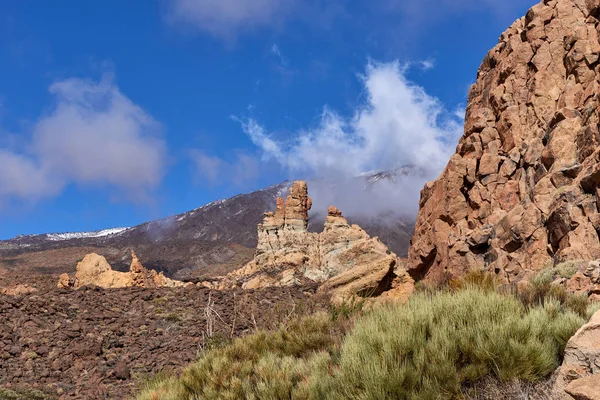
(344, 259)
(521, 192)
(95, 270)
(579, 375)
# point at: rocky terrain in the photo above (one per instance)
(203, 243)
(521, 192)
(102, 343)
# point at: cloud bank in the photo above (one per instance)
(93, 135)
(398, 124)
(227, 18)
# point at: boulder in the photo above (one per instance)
(578, 377)
(587, 388)
(64, 281)
(95, 270)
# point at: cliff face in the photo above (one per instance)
(521, 191)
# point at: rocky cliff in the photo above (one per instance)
(343, 258)
(521, 191)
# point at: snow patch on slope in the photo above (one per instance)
(82, 235)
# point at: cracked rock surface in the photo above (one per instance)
(521, 192)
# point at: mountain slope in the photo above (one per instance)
(201, 243)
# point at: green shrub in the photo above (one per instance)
(563, 270)
(347, 309)
(27, 394)
(483, 280)
(260, 366)
(436, 344)
(431, 348)
(541, 289)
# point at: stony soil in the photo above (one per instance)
(102, 344)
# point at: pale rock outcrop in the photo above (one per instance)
(18, 290)
(143, 277)
(522, 190)
(95, 270)
(579, 376)
(64, 281)
(344, 259)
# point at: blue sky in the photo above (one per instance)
(114, 113)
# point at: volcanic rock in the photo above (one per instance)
(297, 206)
(95, 344)
(579, 375)
(142, 277)
(587, 388)
(95, 270)
(343, 258)
(18, 290)
(522, 190)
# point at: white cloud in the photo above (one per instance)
(94, 135)
(275, 50)
(428, 64)
(21, 177)
(227, 18)
(398, 124)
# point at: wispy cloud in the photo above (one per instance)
(277, 53)
(228, 18)
(93, 135)
(398, 124)
(428, 64)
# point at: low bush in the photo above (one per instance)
(436, 344)
(431, 348)
(27, 394)
(264, 365)
(541, 288)
(563, 270)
